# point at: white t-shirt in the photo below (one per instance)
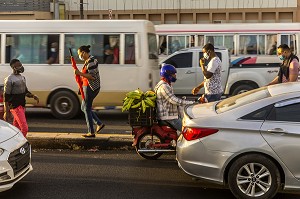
(213, 84)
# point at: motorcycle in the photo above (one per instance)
(151, 142)
(151, 138)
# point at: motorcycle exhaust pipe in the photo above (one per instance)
(155, 150)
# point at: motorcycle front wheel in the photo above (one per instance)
(145, 141)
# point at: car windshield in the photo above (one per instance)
(242, 99)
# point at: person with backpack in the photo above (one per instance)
(289, 68)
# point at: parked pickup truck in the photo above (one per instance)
(236, 77)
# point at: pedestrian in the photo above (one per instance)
(289, 68)
(15, 91)
(212, 75)
(167, 103)
(91, 87)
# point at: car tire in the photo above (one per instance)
(64, 105)
(241, 89)
(245, 179)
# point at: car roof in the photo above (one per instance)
(284, 88)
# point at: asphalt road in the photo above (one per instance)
(110, 174)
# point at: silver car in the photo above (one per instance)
(249, 142)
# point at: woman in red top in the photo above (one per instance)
(91, 87)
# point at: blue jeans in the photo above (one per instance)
(177, 124)
(91, 117)
(213, 97)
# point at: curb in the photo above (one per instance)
(74, 141)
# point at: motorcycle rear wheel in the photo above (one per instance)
(144, 142)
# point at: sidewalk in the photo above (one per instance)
(74, 141)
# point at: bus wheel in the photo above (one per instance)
(64, 105)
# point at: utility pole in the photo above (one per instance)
(81, 9)
(55, 9)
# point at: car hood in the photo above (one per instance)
(201, 110)
(7, 131)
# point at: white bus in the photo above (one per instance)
(252, 44)
(131, 43)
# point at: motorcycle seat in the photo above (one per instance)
(164, 123)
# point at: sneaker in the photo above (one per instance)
(89, 135)
(99, 128)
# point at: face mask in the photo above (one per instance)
(173, 79)
(80, 57)
(281, 57)
(205, 56)
(19, 70)
(53, 50)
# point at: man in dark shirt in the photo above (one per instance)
(15, 91)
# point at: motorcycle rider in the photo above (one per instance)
(166, 101)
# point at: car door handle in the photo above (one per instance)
(223, 70)
(189, 72)
(272, 71)
(276, 130)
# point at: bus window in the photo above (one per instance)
(152, 45)
(162, 44)
(248, 44)
(103, 47)
(129, 49)
(114, 41)
(293, 44)
(228, 43)
(201, 40)
(176, 43)
(271, 45)
(290, 41)
(32, 49)
(262, 45)
(192, 41)
(285, 39)
(215, 40)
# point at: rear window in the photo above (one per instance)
(181, 60)
(242, 99)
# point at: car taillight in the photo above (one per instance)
(196, 133)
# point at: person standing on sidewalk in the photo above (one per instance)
(289, 69)
(91, 87)
(15, 91)
(212, 75)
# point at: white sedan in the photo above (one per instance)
(15, 156)
(249, 142)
